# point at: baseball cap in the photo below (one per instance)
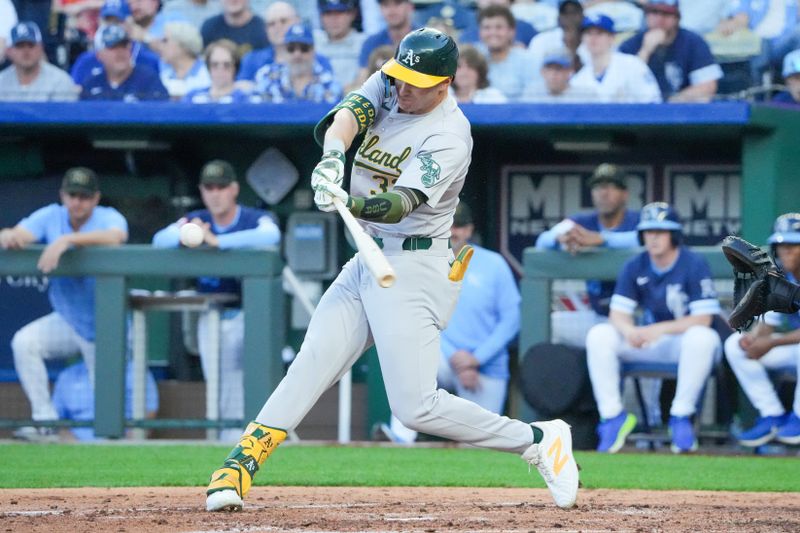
(563, 3)
(80, 180)
(558, 56)
(298, 33)
(663, 6)
(608, 173)
(327, 6)
(26, 32)
(115, 8)
(112, 35)
(791, 64)
(217, 172)
(601, 22)
(463, 215)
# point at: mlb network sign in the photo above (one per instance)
(708, 199)
(535, 198)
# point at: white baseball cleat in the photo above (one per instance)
(224, 500)
(554, 460)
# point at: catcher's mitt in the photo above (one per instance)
(759, 285)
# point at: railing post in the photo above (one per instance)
(110, 355)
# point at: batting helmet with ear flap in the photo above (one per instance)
(660, 216)
(424, 58)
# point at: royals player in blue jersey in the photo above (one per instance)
(227, 225)
(610, 225)
(753, 353)
(674, 290)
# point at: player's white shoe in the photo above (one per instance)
(224, 500)
(555, 462)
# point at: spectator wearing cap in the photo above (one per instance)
(121, 79)
(474, 361)
(112, 12)
(182, 69)
(509, 65)
(471, 83)
(680, 60)
(338, 40)
(554, 87)
(566, 35)
(610, 76)
(453, 13)
(8, 19)
(237, 23)
(278, 16)
(524, 32)
(227, 225)
(610, 225)
(70, 329)
(194, 11)
(30, 78)
(397, 14)
(627, 16)
(222, 60)
(303, 78)
(791, 78)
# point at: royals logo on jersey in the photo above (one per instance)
(684, 289)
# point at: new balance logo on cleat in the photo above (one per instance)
(553, 458)
(559, 461)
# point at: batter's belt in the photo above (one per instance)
(411, 244)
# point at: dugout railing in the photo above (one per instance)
(543, 268)
(263, 302)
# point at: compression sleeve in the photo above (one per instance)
(388, 207)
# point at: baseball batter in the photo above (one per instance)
(405, 182)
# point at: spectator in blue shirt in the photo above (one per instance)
(238, 24)
(182, 69)
(681, 61)
(222, 60)
(120, 79)
(524, 31)
(227, 225)
(398, 15)
(509, 65)
(610, 225)
(303, 78)
(112, 12)
(791, 77)
(279, 16)
(474, 362)
(73, 397)
(69, 329)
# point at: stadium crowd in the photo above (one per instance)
(545, 51)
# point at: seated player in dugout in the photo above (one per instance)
(673, 288)
(610, 225)
(405, 183)
(752, 354)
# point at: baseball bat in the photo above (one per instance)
(370, 253)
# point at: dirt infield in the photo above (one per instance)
(307, 509)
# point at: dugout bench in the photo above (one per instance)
(542, 267)
(263, 302)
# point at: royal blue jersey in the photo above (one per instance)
(622, 236)
(87, 63)
(142, 84)
(251, 228)
(685, 288)
(687, 61)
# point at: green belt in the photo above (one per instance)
(410, 243)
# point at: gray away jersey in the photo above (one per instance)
(430, 153)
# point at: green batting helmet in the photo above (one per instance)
(424, 58)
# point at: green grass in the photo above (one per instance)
(40, 466)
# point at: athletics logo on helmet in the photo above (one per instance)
(424, 58)
(786, 229)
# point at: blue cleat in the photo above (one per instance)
(682, 432)
(613, 431)
(764, 430)
(789, 432)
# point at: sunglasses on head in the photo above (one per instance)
(294, 47)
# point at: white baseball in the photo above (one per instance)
(192, 235)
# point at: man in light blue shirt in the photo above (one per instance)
(474, 360)
(69, 329)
